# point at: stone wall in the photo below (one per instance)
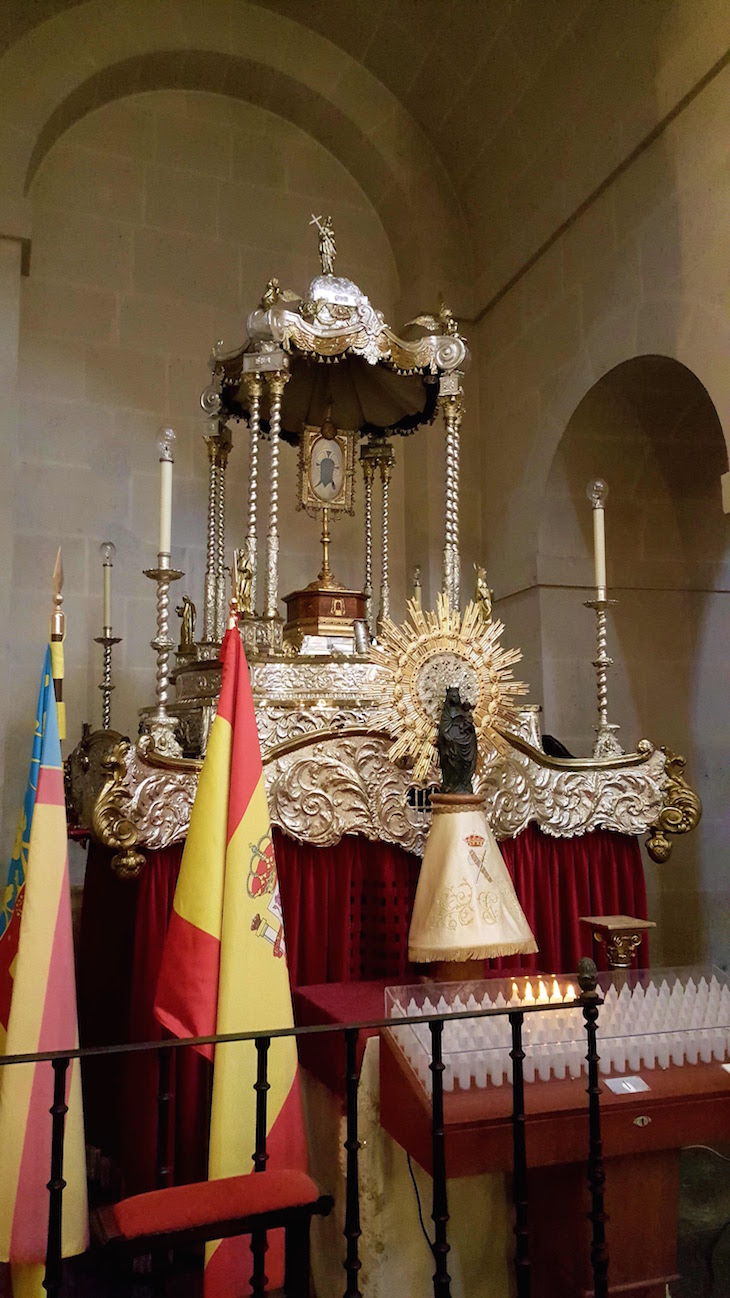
(641, 272)
(561, 176)
(157, 221)
(649, 428)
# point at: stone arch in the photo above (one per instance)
(93, 53)
(648, 413)
(679, 335)
(650, 428)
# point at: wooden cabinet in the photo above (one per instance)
(642, 1136)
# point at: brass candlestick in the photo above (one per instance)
(162, 725)
(326, 576)
(107, 640)
(606, 744)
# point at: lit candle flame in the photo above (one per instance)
(570, 993)
(542, 993)
(529, 996)
(556, 996)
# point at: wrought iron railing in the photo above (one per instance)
(589, 1001)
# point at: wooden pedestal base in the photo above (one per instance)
(456, 971)
(641, 1196)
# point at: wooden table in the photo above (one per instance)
(642, 1136)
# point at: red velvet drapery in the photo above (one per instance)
(123, 929)
(346, 911)
(347, 908)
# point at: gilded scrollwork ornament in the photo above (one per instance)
(681, 810)
(111, 822)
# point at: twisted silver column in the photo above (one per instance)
(277, 381)
(106, 686)
(221, 593)
(606, 744)
(453, 412)
(387, 459)
(162, 726)
(368, 469)
(255, 387)
(211, 554)
(215, 604)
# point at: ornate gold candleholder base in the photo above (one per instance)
(620, 934)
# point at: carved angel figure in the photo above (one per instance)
(243, 581)
(188, 613)
(482, 594)
(274, 293)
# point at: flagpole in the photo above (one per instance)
(58, 633)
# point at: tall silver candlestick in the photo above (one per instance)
(107, 550)
(107, 640)
(162, 725)
(606, 744)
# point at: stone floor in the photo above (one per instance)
(703, 1243)
(704, 1224)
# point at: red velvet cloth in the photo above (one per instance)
(346, 911)
(191, 1074)
(123, 927)
(103, 965)
(347, 908)
(559, 879)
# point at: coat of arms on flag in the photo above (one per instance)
(217, 976)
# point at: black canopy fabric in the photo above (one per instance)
(367, 399)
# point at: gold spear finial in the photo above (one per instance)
(58, 631)
(58, 617)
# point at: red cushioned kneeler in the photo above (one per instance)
(206, 1210)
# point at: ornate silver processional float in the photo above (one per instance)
(346, 701)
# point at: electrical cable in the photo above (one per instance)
(709, 1150)
(418, 1201)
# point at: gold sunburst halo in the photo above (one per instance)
(433, 650)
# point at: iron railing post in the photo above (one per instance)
(352, 1146)
(53, 1274)
(440, 1214)
(519, 1159)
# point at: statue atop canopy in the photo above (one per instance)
(327, 245)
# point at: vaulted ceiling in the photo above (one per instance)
(530, 104)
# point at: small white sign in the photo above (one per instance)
(626, 1085)
(726, 1067)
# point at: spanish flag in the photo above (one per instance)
(224, 963)
(42, 1016)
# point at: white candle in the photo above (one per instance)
(597, 493)
(107, 550)
(599, 546)
(166, 462)
(107, 594)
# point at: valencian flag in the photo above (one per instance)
(37, 973)
(224, 963)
